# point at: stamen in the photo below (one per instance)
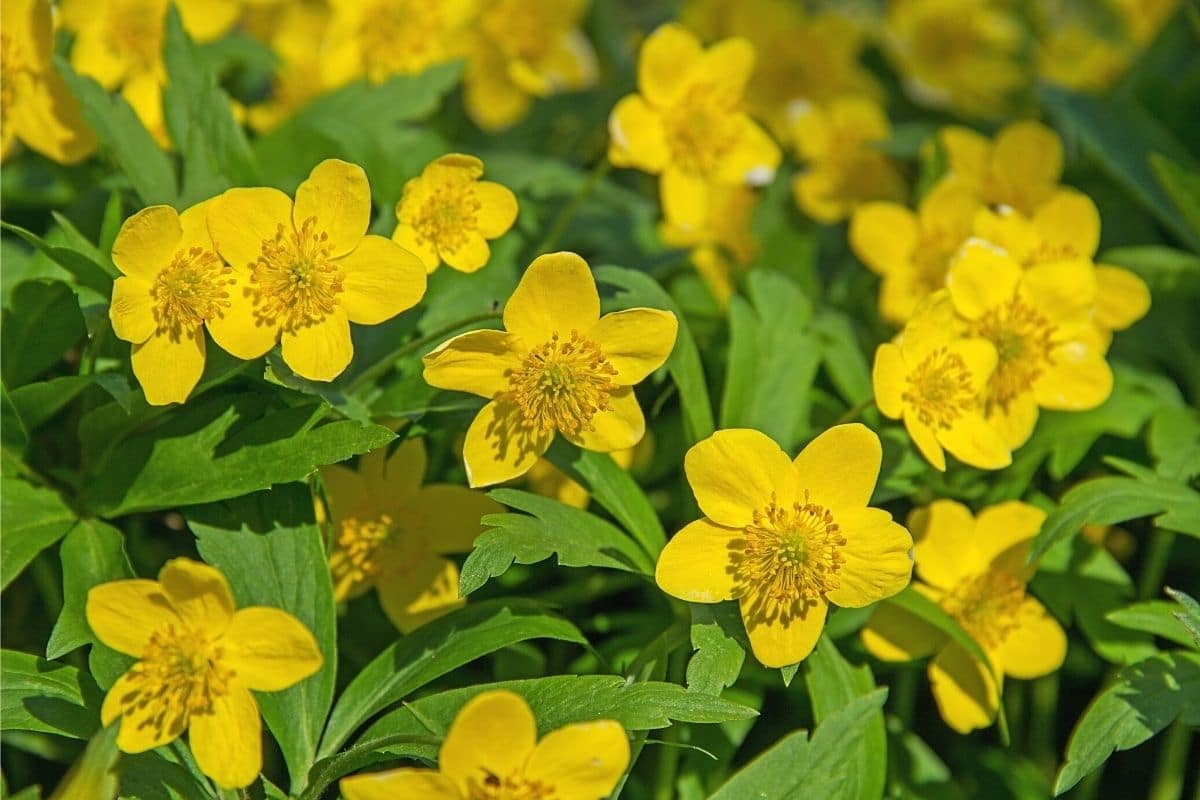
(701, 127)
(296, 282)
(447, 215)
(939, 389)
(562, 385)
(1023, 337)
(987, 606)
(190, 290)
(514, 786)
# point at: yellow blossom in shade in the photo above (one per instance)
(974, 568)
(957, 54)
(843, 166)
(724, 243)
(801, 57)
(549, 481)
(522, 49)
(786, 538)
(1040, 322)
(173, 283)
(1144, 18)
(558, 367)
(377, 39)
(1078, 57)
(295, 33)
(448, 214)
(144, 93)
(687, 124)
(934, 380)
(1020, 169)
(199, 657)
(304, 270)
(492, 752)
(35, 104)
(391, 533)
(910, 251)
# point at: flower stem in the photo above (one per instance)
(385, 364)
(565, 216)
(1150, 579)
(1172, 763)
(855, 412)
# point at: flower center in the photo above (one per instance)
(1023, 338)
(987, 606)
(562, 385)
(507, 787)
(939, 389)
(789, 558)
(932, 257)
(401, 37)
(295, 279)
(16, 73)
(190, 290)
(447, 215)
(375, 548)
(1047, 252)
(180, 674)
(701, 128)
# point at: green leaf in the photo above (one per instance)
(719, 642)
(38, 402)
(639, 289)
(221, 447)
(433, 650)
(44, 697)
(43, 323)
(1183, 187)
(93, 553)
(87, 270)
(1164, 269)
(1157, 617)
(615, 490)
(155, 776)
(833, 685)
(14, 431)
(1144, 699)
(92, 775)
(1175, 443)
(269, 547)
(842, 355)
(796, 766)
(1188, 614)
(928, 611)
(32, 518)
(122, 133)
(547, 528)
(353, 759)
(773, 359)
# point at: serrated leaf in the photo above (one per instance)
(1175, 443)
(435, 649)
(269, 547)
(548, 527)
(719, 642)
(1157, 617)
(92, 553)
(1188, 614)
(1145, 698)
(38, 402)
(32, 518)
(43, 323)
(44, 697)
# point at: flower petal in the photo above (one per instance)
(754, 157)
(428, 784)
(685, 199)
(338, 196)
(973, 441)
(666, 57)
(1016, 421)
(1070, 222)
(926, 440)
(168, 368)
(779, 640)
(345, 489)
(147, 241)
(736, 472)
(583, 760)
(557, 294)
(889, 377)
(884, 236)
(498, 448)
(132, 309)
(478, 362)
(145, 722)
(320, 351)
(239, 329)
(878, 561)
(495, 732)
(726, 66)
(619, 427)
(946, 549)
(636, 341)
(893, 634)
(470, 254)
(269, 649)
(966, 695)
(1003, 532)
(199, 594)
(696, 563)
(227, 742)
(1079, 378)
(839, 468)
(381, 280)
(426, 592)
(125, 614)
(407, 237)
(497, 209)
(637, 137)
(1037, 646)
(1030, 156)
(390, 473)
(240, 220)
(1122, 298)
(454, 514)
(981, 277)
(1062, 290)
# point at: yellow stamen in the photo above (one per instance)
(445, 218)
(701, 127)
(296, 282)
(562, 385)
(939, 389)
(191, 289)
(987, 606)
(507, 787)
(1023, 337)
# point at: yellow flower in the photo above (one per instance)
(37, 108)
(1144, 18)
(724, 243)
(173, 283)
(304, 271)
(844, 168)
(391, 533)
(801, 57)
(956, 54)
(687, 123)
(524, 49)
(786, 538)
(1077, 57)
(558, 367)
(1039, 320)
(1021, 168)
(549, 481)
(198, 660)
(934, 381)
(975, 569)
(376, 39)
(911, 252)
(144, 93)
(448, 214)
(492, 751)
(296, 33)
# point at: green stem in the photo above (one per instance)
(383, 365)
(668, 757)
(87, 364)
(568, 213)
(903, 695)
(1168, 780)
(855, 412)
(1041, 727)
(1150, 579)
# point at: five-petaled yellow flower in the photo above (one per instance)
(173, 284)
(304, 271)
(37, 108)
(687, 124)
(199, 657)
(448, 214)
(934, 381)
(1040, 321)
(558, 367)
(786, 538)
(975, 569)
(492, 751)
(1020, 169)
(724, 244)
(391, 533)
